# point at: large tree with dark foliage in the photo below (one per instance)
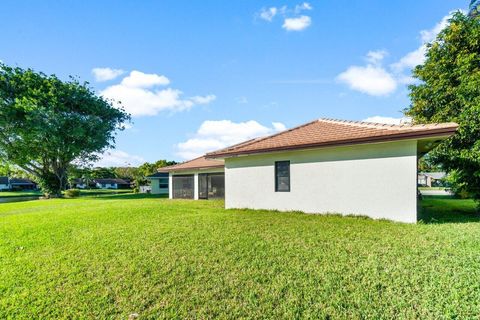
(46, 124)
(449, 90)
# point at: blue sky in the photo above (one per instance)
(199, 75)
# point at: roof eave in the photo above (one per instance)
(193, 168)
(441, 132)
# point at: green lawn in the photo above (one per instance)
(102, 192)
(91, 192)
(111, 256)
(27, 193)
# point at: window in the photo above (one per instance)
(163, 183)
(282, 176)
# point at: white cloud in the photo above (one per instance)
(139, 95)
(430, 35)
(376, 57)
(105, 74)
(372, 80)
(278, 126)
(418, 56)
(214, 135)
(297, 24)
(268, 14)
(411, 60)
(137, 79)
(203, 100)
(376, 80)
(118, 158)
(304, 6)
(293, 21)
(388, 120)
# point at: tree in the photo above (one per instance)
(46, 124)
(103, 173)
(12, 171)
(425, 164)
(148, 169)
(449, 90)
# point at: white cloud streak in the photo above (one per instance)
(388, 120)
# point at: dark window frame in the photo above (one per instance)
(277, 163)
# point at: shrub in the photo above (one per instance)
(136, 190)
(72, 193)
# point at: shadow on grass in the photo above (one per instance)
(445, 209)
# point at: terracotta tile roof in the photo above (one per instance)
(198, 163)
(331, 132)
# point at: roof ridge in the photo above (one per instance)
(247, 143)
(177, 164)
(368, 123)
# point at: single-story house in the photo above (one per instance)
(24, 184)
(332, 166)
(199, 178)
(158, 183)
(82, 184)
(112, 183)
(430, 179)
(324, 166)
(4, 185)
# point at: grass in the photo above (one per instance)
(111, 256)
(102, 192)
(91, 192)
(26, 193)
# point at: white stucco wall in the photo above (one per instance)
(107, 186)
(376, 180)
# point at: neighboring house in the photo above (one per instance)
(112, 183)
(430, 179)
(4, 185)
(23, 184)
(81, 184)
(158, 183)
(199, 178)
(325, 166)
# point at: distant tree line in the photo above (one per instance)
(135, 174)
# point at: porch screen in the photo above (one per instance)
(183, 187)
(211, 186)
